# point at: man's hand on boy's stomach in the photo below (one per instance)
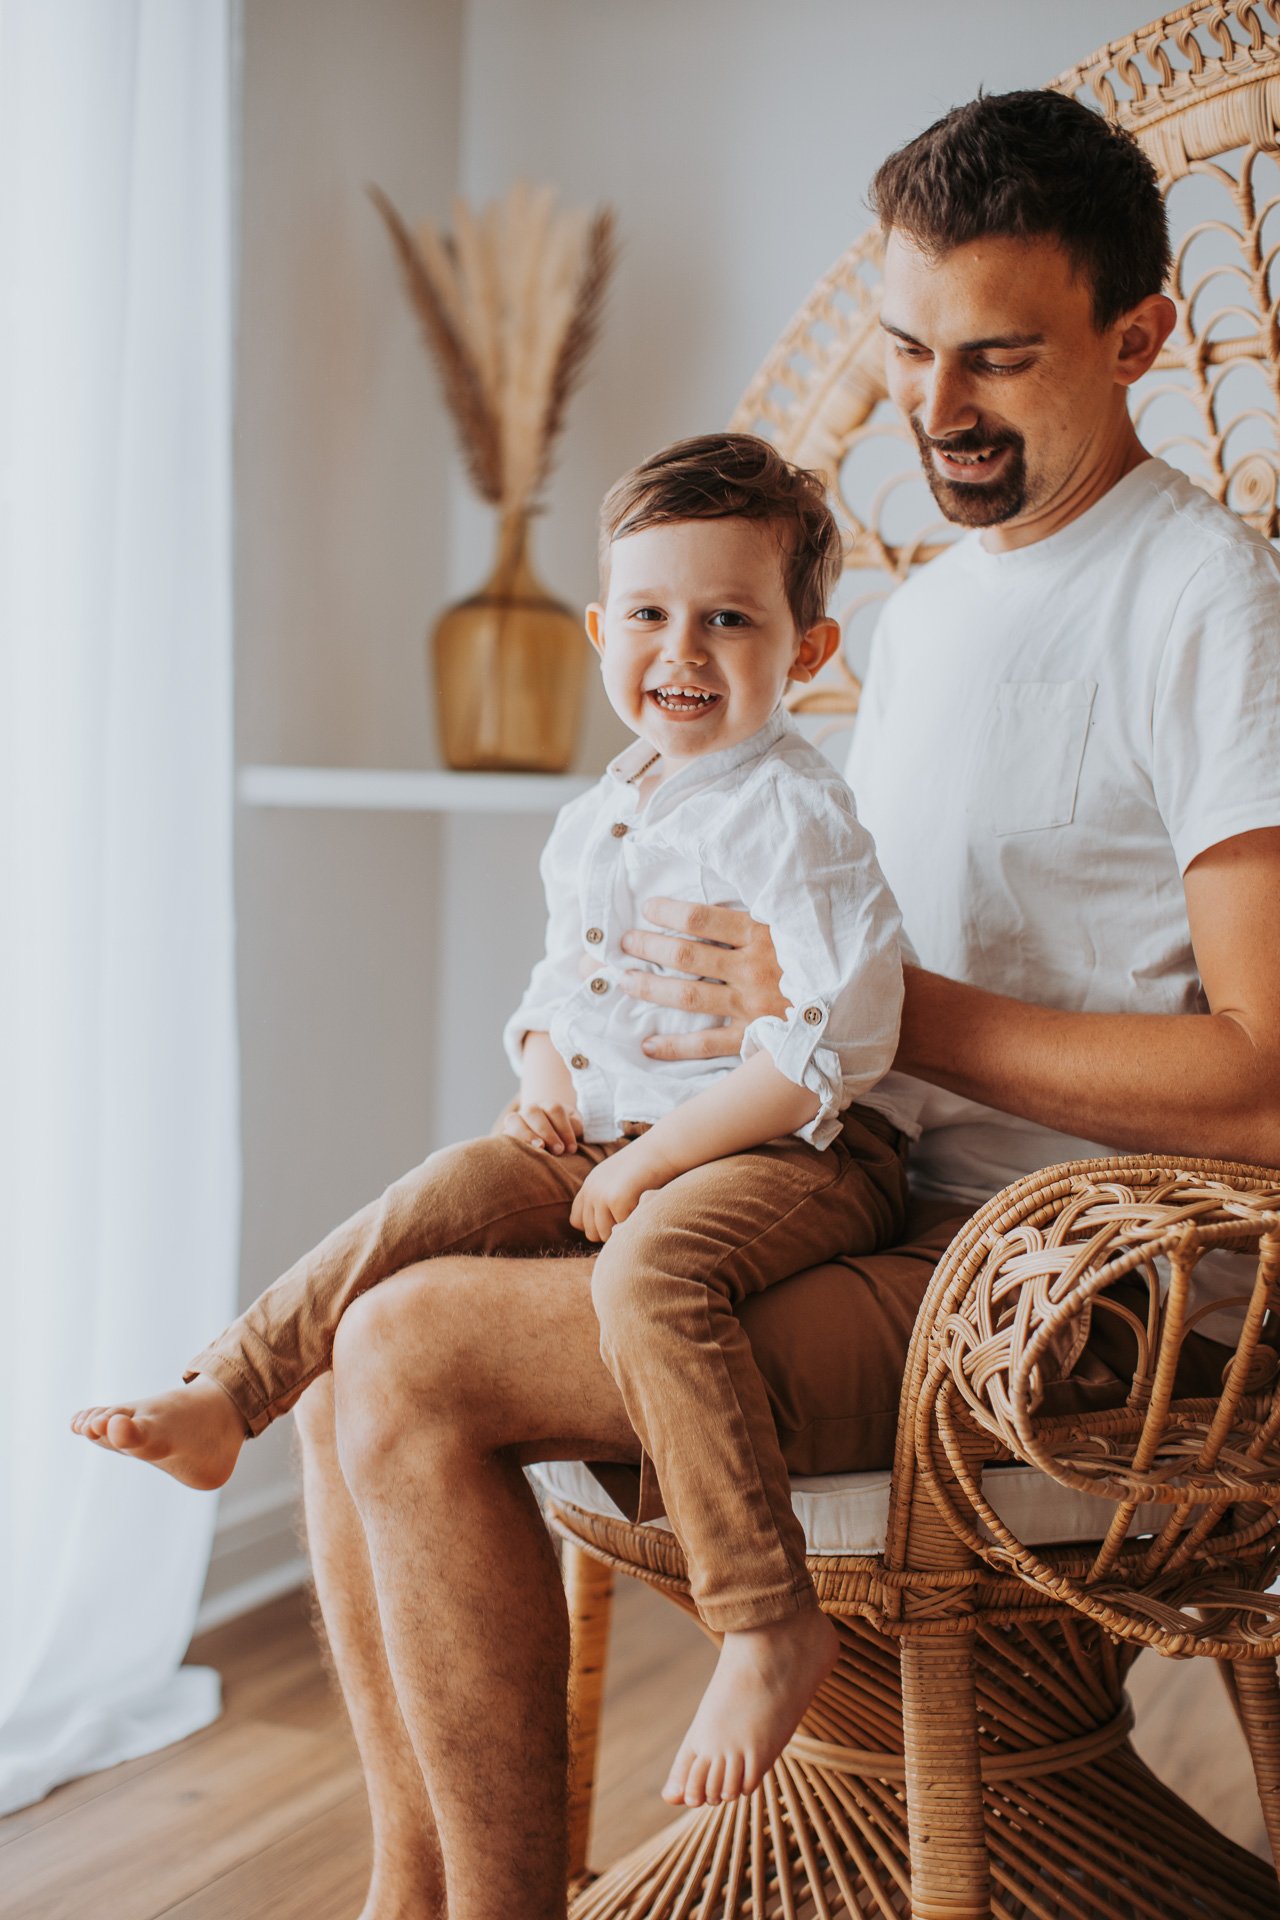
(720, 961)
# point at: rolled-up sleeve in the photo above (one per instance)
(556, 974)
(806, 867)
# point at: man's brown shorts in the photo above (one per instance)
(831, 1344)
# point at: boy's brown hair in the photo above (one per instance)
(725, 476)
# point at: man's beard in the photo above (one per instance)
(977, 503)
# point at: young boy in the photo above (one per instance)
(702, 1181)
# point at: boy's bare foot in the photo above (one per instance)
(194, 1433)
(764, 1680)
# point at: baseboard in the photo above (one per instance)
(256, 1557)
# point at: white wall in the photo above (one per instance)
(379, 954)
(736, 138)
(343, 466)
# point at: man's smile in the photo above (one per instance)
(978, 476)
(968, 467)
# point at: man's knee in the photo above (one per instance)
(372, 1387)
(314, 1416)
(400, 1367)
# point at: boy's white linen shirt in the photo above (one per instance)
(768, 825)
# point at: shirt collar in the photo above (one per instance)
(711, 766)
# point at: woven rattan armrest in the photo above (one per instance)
(1011, 1302)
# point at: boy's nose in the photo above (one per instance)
(683, 646)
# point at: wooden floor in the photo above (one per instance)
(261, 1817)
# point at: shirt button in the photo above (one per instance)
(579, 1062)
(812, 1016)
(618, 828)
(599, 984)
(594, 936)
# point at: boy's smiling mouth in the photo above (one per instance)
(682, 699)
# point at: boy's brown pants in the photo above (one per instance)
(668, 1286)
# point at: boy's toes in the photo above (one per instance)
(122, 1431)
(731, 1786)
(695, 1786)
(715, 1781)
(112, 1427)
(673, 1791)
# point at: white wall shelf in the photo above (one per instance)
(388, 790)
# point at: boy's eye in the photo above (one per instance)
(726, 617)
(647, 613)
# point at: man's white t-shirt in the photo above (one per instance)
(1047, 739)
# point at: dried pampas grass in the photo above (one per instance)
(510, 305)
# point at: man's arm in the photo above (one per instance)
(1165, 1083)
(1162, 1083)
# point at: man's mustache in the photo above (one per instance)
(972, 440)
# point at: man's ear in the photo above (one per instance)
(593, 620)
(1142, 334)
(816, 648)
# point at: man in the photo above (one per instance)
(1070, 757)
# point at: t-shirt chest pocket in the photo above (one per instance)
(1029, 767)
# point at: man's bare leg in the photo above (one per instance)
(407, 1882)
(447, 1378)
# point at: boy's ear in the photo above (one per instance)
(816, 648)
(593, 620)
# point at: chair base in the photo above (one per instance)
(1076, 1827)
(1101, 1842)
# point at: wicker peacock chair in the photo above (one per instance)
(969, 1755)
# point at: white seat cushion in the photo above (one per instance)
(847, 1513)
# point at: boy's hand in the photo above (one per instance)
(608, 1195)
(612, 1191)
(556, 1128)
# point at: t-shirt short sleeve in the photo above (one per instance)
(1216, 712)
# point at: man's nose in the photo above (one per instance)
(945, 405)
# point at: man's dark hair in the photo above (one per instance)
(734, 476)
(1029, 166)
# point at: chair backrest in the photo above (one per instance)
(1200, 89)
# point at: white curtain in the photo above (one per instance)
(118, 1153)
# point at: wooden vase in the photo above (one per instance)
(508, 666)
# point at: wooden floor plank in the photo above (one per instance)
(320, 1871)
(162, 1836)
(263, 1814)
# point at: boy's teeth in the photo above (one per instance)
(670, 696)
